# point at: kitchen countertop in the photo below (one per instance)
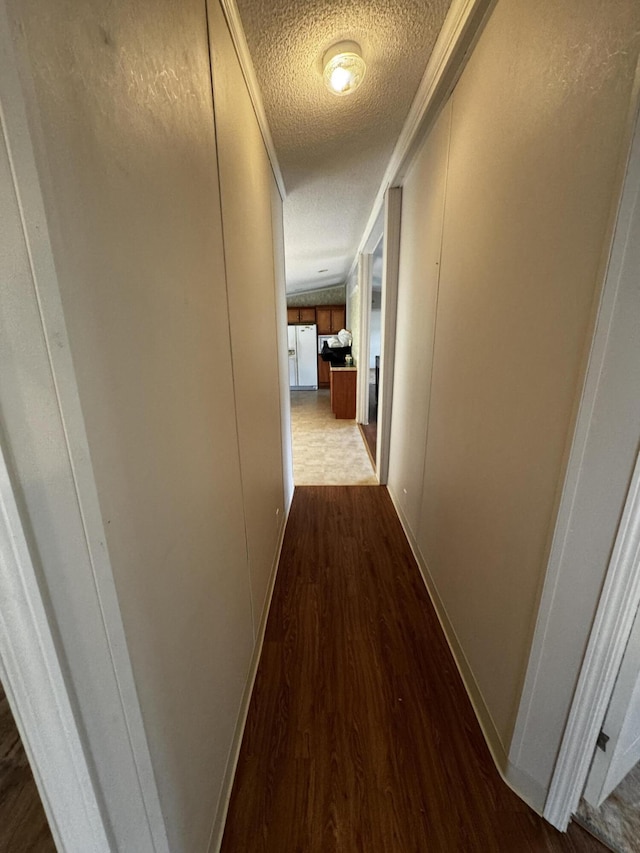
(334, 367)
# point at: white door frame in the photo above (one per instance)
(620, 593)
(614, 620)
(386, 229)
(35, 686)
(390, 267)
(365, 262)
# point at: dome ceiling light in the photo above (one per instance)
(344, 68)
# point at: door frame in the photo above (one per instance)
(387, 230)
(609, 636)
(390, 268)
(365, 271)
(365, 264)
(35, 686)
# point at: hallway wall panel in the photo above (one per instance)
(122, 116)
(419, 275)
(245, 184)
(538, 133)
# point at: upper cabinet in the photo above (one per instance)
(330, 319)
(301, 315)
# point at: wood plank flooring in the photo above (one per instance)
(23, 825)
(370, 431)
(360, 735)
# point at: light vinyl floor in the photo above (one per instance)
(326, 451)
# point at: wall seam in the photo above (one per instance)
(226, 284)
(435, 317)
(275, 329)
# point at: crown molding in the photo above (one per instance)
(234, 22)
(461, 27)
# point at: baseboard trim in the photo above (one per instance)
(234, 753)
(521, 783)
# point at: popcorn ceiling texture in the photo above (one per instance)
(333, 150)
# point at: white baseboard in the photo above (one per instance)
(520, 783)
(234, 753)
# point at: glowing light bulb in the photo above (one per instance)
(344, 68)
(340, 79)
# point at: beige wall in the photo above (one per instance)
(188, 486)
(517, 181)
(245, 181)
(419, 273)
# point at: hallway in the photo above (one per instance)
(360, 735)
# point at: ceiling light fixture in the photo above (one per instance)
(344, 68)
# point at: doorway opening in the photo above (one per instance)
(327, 446)
(370, 427)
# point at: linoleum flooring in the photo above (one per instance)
(23, 825)
(326, 451)
(360, 737)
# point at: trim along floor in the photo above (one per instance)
(360, 735)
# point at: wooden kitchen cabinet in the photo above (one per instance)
(323, 319)
(301, 315)
(343, 392)
(323, 373)
(338, 318)
(330, 319)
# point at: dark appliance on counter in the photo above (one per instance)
(334, 355)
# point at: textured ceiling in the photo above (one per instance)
(333, 150)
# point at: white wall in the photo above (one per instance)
(121, 111)
(246, 187)
(517, 181)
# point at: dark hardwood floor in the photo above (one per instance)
(23, 825)
(370, 431)
(360, 735)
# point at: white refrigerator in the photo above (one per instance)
(303, 357)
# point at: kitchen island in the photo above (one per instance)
(343, 391)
